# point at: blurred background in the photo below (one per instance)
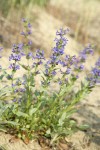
(82, 17)
(46, 16)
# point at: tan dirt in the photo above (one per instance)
(44, 29)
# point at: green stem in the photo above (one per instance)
(28, 86)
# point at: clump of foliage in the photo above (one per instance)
(30, 112)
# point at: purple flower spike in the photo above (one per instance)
(62, 32)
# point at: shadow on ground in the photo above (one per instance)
(88, 116)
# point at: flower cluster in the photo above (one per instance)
(29, 55)
(39, 54)
(17, 53)
(27, 26)
(83, 54)
(38, 58)
(94, 76)
(59, 47)
(14, 67)
(57, 52)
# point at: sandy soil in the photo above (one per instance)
(44, 28)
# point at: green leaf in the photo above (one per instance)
(2, 128)
(24, 66)
(83, 127)
(19, 135)
(10, 122)
(27, 126)
(61, 120)
(32, 111)
(72, 123)
(48, 131)
(21, 114)
(1, 77)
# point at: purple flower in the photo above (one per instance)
(39, 62)
(16, 90)
(14, 67)
(16, 57)
(1, 48)
(63, 63)
(82, 57)
(81, 67)
(29, 55)
(66, 80)
(54, 72)
(29, 25)
(14, 100)
(60, 82)
(68, 70)
(23, 33)
(29, 42)
(46, 72)
(62, 32)
(98, 63)
(27, 28)
(53, 59)
(13, 85)
(60, 44)
(18, 49)
(24, 20)
(77, 76)
(29, 32)
(73, 59)
(83, 54)
(39, 54)
(78, 67)
(67, 57)
(22, 90)
(94, 77)
(96, 72)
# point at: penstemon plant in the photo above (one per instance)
(30, 112)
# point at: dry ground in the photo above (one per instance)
(44, 28)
